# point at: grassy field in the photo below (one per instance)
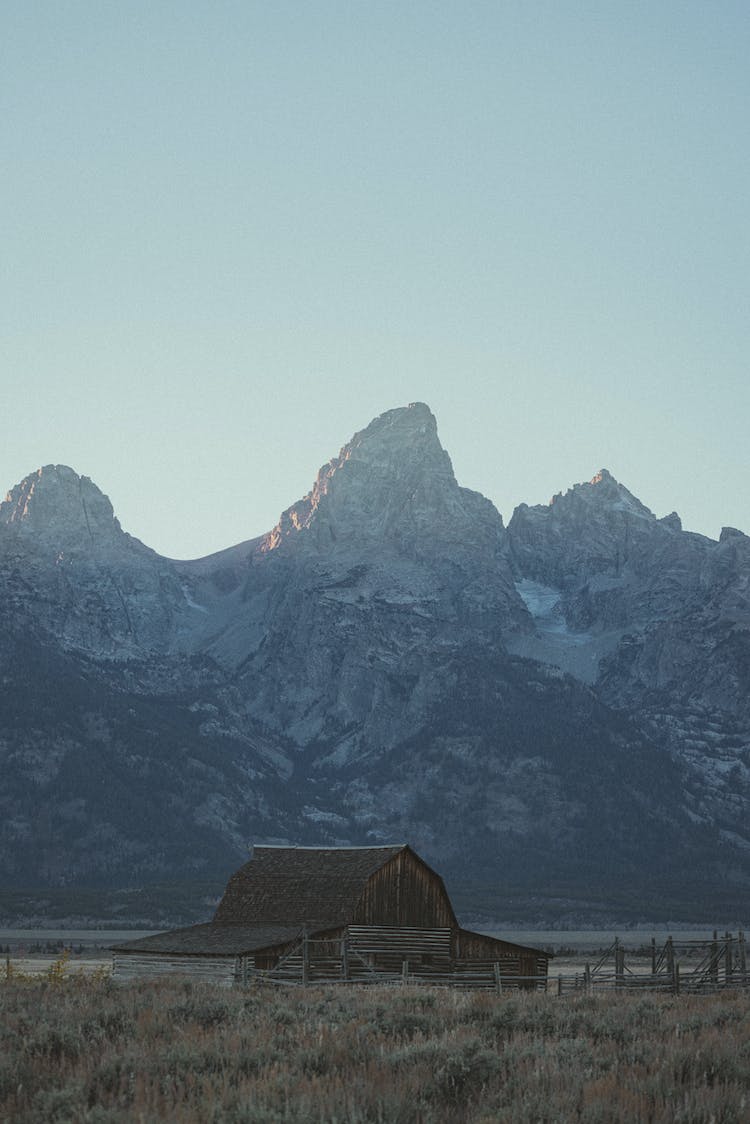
(80, 1049)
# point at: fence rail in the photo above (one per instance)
(690, 966)
(721, 965)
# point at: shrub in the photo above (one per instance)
(190, 1054)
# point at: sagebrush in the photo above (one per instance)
(179, 1051)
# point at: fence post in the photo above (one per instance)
(677, 979)
(727, 959)
(714, 965)
(404, 971)
(653, 956)
(344, 958)
(619, 964)
(617, 961)
(305, 956)
(743, 963)
(498, 980)
(587, 979)
(7, 968)
(559, 985)
(670, 959)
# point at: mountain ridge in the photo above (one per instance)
(291, 518)
(546, 703)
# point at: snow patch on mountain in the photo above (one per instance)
(576, 652)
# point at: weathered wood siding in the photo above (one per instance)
(379, 954)
(129, 966)
(360, 953)
(405, 892)
(387, 950)
(513, 959)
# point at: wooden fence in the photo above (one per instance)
(371, 956)
(687, 966)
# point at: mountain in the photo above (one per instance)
(658, 619)
(68, 568)
(554, 713)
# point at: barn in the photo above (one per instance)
(333, 914)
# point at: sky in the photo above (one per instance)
(234, 232)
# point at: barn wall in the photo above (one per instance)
(129, 966)
(405, 892)
(286, 960)
(477, 947)
(362, 951)
(388, 949)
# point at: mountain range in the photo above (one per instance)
(555, 714)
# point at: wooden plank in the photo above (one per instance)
(133, 966)
(405, 891)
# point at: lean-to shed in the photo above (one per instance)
(305, 914)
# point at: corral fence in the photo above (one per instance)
(674, 966)
(367, 957)
(688, 966)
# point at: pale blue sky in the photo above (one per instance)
(232, 233)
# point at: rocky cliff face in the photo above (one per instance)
(559, 707)
(366, 589)
(68, 568)
(658, 620)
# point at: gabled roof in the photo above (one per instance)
(318, 886)
(283, 891)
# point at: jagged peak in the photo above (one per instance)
(415, 413)
(604, 492)
(57, 501)
(729, 533)
(387, 481)
(395, 431)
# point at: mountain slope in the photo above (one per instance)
(556, 710)
(658, 620)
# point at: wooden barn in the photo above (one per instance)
(332, 914)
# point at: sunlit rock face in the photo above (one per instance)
(392, 487)
(69, 569)
(367, 591)
(556, 702)
(59, 507)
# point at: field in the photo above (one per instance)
(78, 1048)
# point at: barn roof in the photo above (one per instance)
(301, 885)
(283, 890)
(213, 940)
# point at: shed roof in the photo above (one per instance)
(301, 885)
(213, 940)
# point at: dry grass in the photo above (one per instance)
(83, 1050)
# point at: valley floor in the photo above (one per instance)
(79, 1049)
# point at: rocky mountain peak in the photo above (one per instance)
(393, 482)
(729, 533)
(597, 527)
(604, 493)
(69, 570)
(57, 504)
(672, 521)
(391, 431)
